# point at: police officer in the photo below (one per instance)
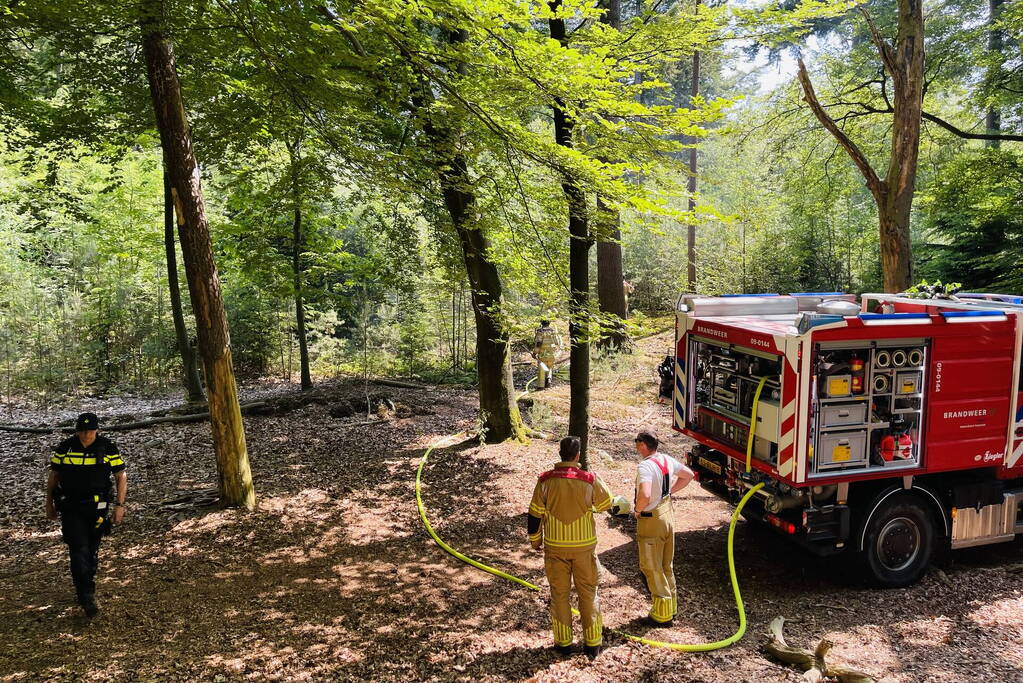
(657, 477)
(78, 489)
(546, 345)
(560, 521)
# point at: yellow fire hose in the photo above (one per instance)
(683, 647)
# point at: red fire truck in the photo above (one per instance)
(881, 425)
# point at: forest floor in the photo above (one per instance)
(332, 577)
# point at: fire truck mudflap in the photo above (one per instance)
(880, 425)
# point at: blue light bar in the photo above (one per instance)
(893, 316)
(817, 294)
(990, 313)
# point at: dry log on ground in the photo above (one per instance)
(401, 385)
(813, 664)
(247, 409)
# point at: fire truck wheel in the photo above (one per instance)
(899, 541)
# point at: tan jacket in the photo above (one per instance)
(564, 500)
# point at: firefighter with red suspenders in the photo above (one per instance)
(657, 477)
(561, 522)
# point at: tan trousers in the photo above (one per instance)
(543, 376)
(581, 566)
(655, 537)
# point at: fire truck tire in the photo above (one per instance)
(899, 541)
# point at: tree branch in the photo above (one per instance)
(874, 183)
(959, 132)
(888, 56)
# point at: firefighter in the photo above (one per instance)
(78, 490)
(546, 346)
(560, 521)
(657, 477)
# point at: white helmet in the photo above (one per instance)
(621, 506)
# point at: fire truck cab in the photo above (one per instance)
(880, 424)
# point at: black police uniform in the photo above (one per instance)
(83, 496)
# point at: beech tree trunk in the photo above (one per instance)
(499, 410)
(189, 363)
(610, 270)
(578, 272)
(893, 195)
(235, 477)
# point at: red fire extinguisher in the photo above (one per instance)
(889, 446)
(905, 446)
(856, 368)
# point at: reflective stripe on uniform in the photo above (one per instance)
(113, 460)
(603, 505)
(577, 534)
(594, 633)
(662, 610)
(537, 510)
(72, 460)
(562, 633)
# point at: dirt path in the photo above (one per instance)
(333, 578)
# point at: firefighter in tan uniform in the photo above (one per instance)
(657, 477)
(561, 522)
(546, 346)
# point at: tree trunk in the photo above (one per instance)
(894, 195)
(995, 41)
(296, 267)
(900, 181)
(610, 271)
(611, 280)
(189, 363)
(235, 477)
(691, 227)
(297, 243)
(499, 411)
(578, 272)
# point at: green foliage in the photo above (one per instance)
(974, 218)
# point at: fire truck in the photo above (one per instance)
(880, 425)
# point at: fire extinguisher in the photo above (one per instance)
(905, 446)
(856, 368)
(889, 446)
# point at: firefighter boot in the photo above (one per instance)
(89, 605)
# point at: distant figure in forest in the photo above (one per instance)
(546, 346)
(560, 521)
(628, 289)
(657, 477)
(78, 490)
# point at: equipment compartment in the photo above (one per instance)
(885, 383)
(837, 415)
(726, 379)
(842, 449)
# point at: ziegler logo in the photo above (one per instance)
(714, 333)
(988, 456)
(952, 414)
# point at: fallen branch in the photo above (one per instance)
(813, 664)
(401, 385)
(246, 408)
